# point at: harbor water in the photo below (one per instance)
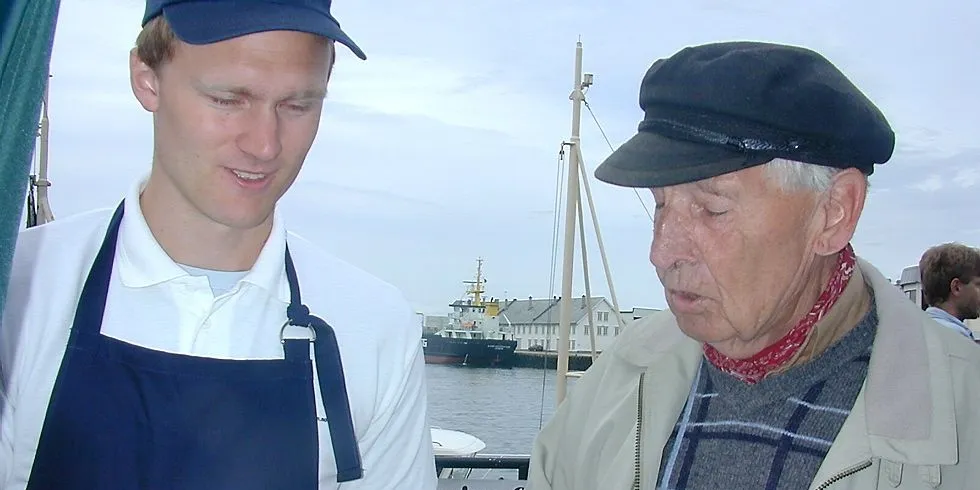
(503, 407)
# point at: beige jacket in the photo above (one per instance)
(915, 423)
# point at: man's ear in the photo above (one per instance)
(842, 206)
(955, 286)
(144, 82)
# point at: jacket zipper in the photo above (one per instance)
(639, 431)
(844, 474)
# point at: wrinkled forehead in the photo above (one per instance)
(752, 179)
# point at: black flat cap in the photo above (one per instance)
(718, 108)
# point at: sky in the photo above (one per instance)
(443, 146)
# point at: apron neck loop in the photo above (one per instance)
(330, 376)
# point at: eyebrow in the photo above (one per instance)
(308, 94)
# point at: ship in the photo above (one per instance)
(474, 336)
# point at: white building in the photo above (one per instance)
(911, 284)
(535, 323)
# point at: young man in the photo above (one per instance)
(186, 339)
(950, 276)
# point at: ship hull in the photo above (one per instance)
(468, 352)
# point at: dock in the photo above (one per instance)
(577, 361)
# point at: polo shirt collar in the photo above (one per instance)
(144, 263)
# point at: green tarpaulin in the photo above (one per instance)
(26, 37)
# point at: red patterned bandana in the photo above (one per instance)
(755, 368)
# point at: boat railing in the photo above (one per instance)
(519, 462)
(481, 485)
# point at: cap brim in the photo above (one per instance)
(209, 22)
(651, 160)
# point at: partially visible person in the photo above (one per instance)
(187, 339)
(950, 276)
(785, 361)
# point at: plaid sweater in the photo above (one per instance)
(772, 435)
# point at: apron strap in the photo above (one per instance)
(96, 287)
(333, 387)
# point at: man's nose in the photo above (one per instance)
(261, 138)
(672, 242)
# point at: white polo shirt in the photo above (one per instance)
(155, 303)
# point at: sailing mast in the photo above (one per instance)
(573, 210)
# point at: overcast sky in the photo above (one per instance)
(443, 146)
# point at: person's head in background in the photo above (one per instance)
(950, 275)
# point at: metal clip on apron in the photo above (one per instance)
(123, 416)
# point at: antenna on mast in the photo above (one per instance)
(39, 211)
(476, 290)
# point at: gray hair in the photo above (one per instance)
(790, 175)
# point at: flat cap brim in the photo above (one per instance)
(651, 160)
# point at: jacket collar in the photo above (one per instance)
(909, 391)
(906, 405)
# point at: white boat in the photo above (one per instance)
(447, 442)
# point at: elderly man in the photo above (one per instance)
(187, 340)
(950, 276)
(784, 361)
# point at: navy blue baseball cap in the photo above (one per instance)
(209, 21)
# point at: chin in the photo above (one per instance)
(698, 328)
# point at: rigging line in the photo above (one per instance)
(555, 233)
(603, 133)
(556, 224)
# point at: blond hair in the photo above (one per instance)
(156, 43)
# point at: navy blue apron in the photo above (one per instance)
(126, 417)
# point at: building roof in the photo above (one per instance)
(544, 311)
